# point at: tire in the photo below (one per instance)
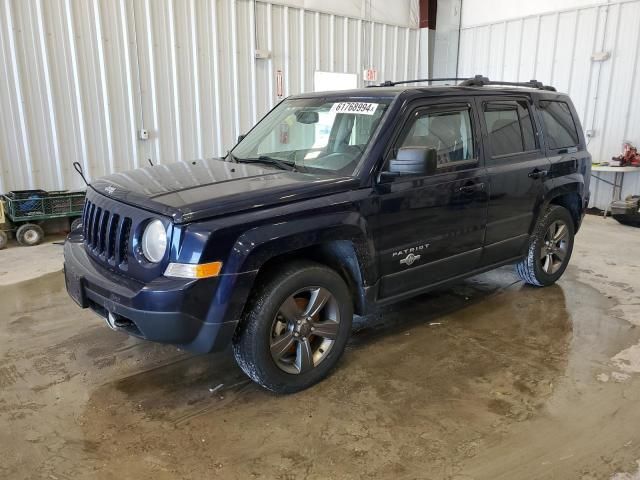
(75, 224)
(280, 318)
(548, 255)
(4, 240)
(29, 234)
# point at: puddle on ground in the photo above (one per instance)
(487, 379)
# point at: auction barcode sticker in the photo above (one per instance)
(354, 107)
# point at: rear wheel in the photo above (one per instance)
(550, 248)
(29, 234)
(4, 239)
(295, 329)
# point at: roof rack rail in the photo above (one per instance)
(389, 83)
(480, 81)
(477, 81)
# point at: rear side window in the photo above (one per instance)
(560, 129)
(447, 132)
(510, 127)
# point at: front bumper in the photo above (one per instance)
(197, 315)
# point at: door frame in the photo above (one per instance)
(448, 175)
(511, 161)
(412, 107)
(518, 157)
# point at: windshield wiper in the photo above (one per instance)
(282, 165)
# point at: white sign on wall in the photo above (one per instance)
(329, 81)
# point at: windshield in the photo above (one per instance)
(313, 135)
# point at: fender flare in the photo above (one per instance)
(258, 245)
(339, 237)
(565, 188)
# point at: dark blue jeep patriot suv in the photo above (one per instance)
(332, 205)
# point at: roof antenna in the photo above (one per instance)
(78, 168)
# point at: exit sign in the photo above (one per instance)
(370, 75)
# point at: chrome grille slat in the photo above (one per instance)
(102, 230)
(124, 241)
(96, 237)
(112, 228)
(92, 216)
(85, 217)
(96, 227)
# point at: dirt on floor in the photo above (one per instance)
(489, 379)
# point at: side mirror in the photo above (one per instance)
(241, 137)
(414, 161)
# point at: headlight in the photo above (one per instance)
(154, 241)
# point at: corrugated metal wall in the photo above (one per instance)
(80, 78)
(556, 48)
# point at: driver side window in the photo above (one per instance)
(449, 133)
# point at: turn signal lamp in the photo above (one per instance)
(193, 270)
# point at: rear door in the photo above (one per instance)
(429, 228)
(516, 168)
(566, 150)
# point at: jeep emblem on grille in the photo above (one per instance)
(110, 189)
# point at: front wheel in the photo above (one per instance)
(295, 329)
(550, 248)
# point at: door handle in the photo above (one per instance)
(535, 173)
(471, 188)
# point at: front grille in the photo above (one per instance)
(106, 234)
(110, 227)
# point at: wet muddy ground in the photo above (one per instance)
(485, 380)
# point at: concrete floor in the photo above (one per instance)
(18, 264)
(486, 380)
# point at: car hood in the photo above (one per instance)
(209, 188)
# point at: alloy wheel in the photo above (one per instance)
(304, 330)
(554, 248)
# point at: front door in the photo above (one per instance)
(430, 228)
(516, 167)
